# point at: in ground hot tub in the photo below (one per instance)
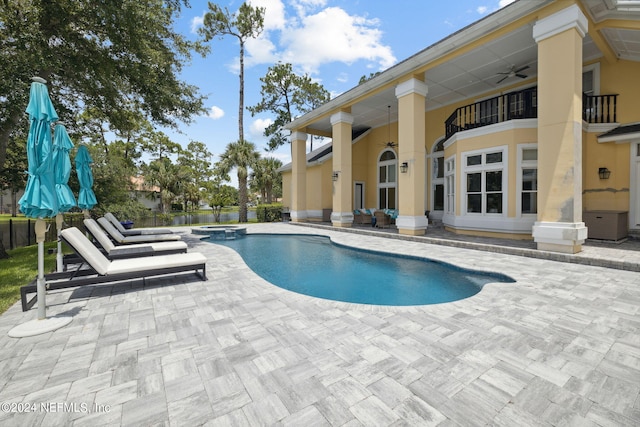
(220, 232)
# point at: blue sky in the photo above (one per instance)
(335, 41)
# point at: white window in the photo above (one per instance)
(527, 180)
(450, 185)
(485, 181)
(387, 167)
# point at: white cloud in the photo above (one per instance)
(503, 3)
(333, 35)
(196, 22)
(215, 113)
(259, 51)
(274, 17)
(482, 10)
(258, 126)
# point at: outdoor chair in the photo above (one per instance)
(121, 239)
(382, 219)
(99, 269)
(136, 231)
(112, 251)
(362, 216)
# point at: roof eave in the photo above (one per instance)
(447, 45)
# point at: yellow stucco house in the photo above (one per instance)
(525, 124)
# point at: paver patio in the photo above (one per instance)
(561, 346)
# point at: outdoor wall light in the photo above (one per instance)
(604, 173)
(404, 167)
(334, 176)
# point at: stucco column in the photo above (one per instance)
(342, 215)
(559, 225)
(298, 176)
(411, 138)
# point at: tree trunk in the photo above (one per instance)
(241, 103)
(242, 196)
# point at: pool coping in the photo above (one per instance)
(579, 258)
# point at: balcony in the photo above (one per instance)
(523, 105)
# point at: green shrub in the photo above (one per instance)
(269, 213)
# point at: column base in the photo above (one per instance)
(342, 219)
(565, 237)
(298, 216)
(412, 225)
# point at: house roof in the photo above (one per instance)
(473, 69)
(621, 133)
(325, 152)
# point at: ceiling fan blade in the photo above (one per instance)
(522, 76)
(521, 69)
(502, 79)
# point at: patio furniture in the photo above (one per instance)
(112, 251)
(362, 216)
(382, 219)
(134, 231)
(143, 238)
(102, 270)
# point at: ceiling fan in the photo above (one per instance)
(389, 143)
(513, 73)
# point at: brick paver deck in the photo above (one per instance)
(561, 346)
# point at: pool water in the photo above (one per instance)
(313, 265)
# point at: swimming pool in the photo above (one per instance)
(314, 266)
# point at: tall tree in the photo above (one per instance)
(197, 166)
(241, 155)
(286, 94)
(104, 54)
(246, 23)
(265, 177)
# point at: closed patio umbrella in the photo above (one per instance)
(86, 198)
(62, 170)
(39, 199)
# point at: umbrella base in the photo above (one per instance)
(37, 327)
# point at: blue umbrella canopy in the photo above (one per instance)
(86, 198)
(62, 168)
(39, 199)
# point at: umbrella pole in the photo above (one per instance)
(59, 256)
(42, 324)
(41, 229)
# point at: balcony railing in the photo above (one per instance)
(515, 105)
(599, 108)
(523, 105)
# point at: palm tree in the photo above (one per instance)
(241, 155)
(265, 176)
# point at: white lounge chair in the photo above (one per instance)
(132, 250)
(135, 231)
(102, 270)
(119, 238)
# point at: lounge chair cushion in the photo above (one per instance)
(98, 233)
(127, 265)
(89, 252)
(118, 225)
(118, 237)
(103, 266)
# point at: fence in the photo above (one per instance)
(19, 233)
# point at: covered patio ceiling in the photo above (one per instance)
(476, 73)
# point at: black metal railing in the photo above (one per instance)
(599, 108)
(522, 104)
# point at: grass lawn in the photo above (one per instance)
(19, 269)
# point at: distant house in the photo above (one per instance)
(524, 124)
(148, 195)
